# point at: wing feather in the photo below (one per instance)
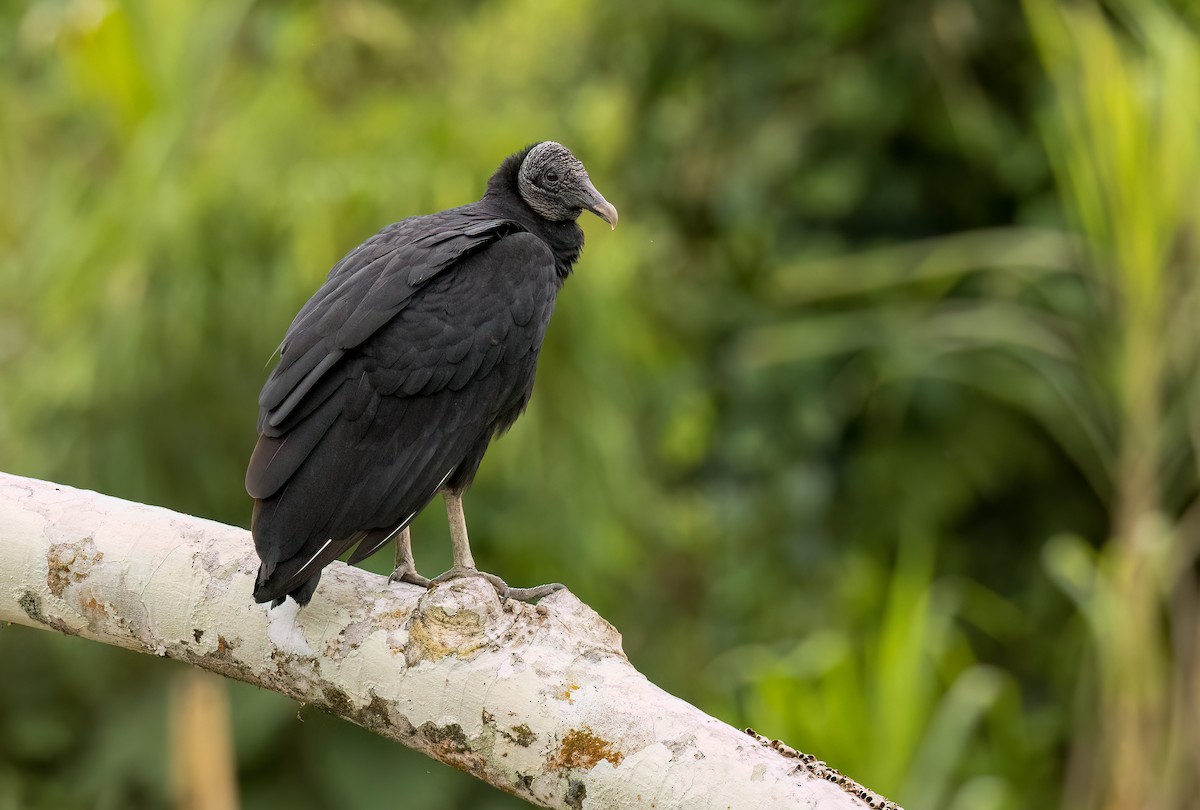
(364, 291)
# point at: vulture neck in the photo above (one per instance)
(564, 238)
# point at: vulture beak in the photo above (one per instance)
(600, 207)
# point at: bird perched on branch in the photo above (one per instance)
(419, 348)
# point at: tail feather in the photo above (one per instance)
(296, 577)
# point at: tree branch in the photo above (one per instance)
(539, 701)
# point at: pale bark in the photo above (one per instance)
(539, 701)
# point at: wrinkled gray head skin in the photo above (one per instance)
(554, 183)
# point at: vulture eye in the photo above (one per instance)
(552, 176)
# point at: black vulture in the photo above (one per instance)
(419, 348)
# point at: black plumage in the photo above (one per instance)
(419, 348)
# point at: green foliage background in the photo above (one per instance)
(843, 428)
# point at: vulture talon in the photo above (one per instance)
(463, 571)
(533, 594)
(404, 573)
(406, 568)
(502, 589)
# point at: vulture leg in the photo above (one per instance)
(458, 531)
(406, 569)
(464, 563)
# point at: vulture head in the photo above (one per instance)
(554, 183)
